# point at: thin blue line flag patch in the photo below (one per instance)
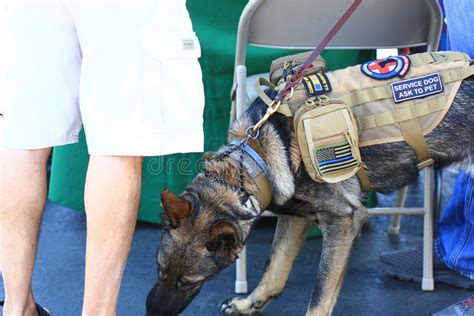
(416, 88)
(335, 159)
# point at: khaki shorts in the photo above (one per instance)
(127, 70)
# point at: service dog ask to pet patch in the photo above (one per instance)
(389, 119)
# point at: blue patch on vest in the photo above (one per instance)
(416, 88)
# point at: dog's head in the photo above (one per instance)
(204, 231)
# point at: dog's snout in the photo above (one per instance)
(165, 301)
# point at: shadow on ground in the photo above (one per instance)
(58, 278)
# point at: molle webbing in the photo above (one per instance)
(436, 58)
(401, 114)
(389, 108)
(380, 118)
(372, 94)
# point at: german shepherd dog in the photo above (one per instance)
(206, 227)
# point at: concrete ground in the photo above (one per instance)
(58, 277)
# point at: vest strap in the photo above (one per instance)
(371, 94)
(413, 136)
(283, 108)
(364, 180)
(264, 82)
(457, 74)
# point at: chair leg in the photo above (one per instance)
(394, 227)
(439, 196)
(241, 92)
(241, 285)
(427, 283)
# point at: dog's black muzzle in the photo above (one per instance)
(163, 301)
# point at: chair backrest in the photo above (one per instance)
(301, 24)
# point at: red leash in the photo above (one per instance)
(317, 51)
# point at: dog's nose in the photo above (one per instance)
(163, 302)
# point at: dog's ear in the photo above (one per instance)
(207, 155)
(224, 241)
(175, 207)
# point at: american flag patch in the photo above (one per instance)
(336, 158)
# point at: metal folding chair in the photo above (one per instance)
(300, 24)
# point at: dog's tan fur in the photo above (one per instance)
(290, 234)
(212, 236)
(273, 151)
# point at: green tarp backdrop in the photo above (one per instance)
(215, 23)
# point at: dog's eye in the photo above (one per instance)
(186, 285)
(162, 275)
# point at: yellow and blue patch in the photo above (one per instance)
(316, 84)
(382, 69)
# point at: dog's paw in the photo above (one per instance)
(242, 306)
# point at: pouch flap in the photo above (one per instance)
(328, 139)
(332, 123)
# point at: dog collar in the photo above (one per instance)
(258, 171)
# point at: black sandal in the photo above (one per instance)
(40, 309)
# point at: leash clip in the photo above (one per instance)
(292, 91)
(272, 108)
(249, 135)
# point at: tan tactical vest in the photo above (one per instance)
(401, 98)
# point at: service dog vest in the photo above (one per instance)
(400, 98)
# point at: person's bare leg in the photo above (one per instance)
(111, 197)
(22, 198)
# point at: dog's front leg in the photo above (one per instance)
(289, 236)
(339, 233)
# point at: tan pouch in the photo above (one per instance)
(328, 139)
(287, 63)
